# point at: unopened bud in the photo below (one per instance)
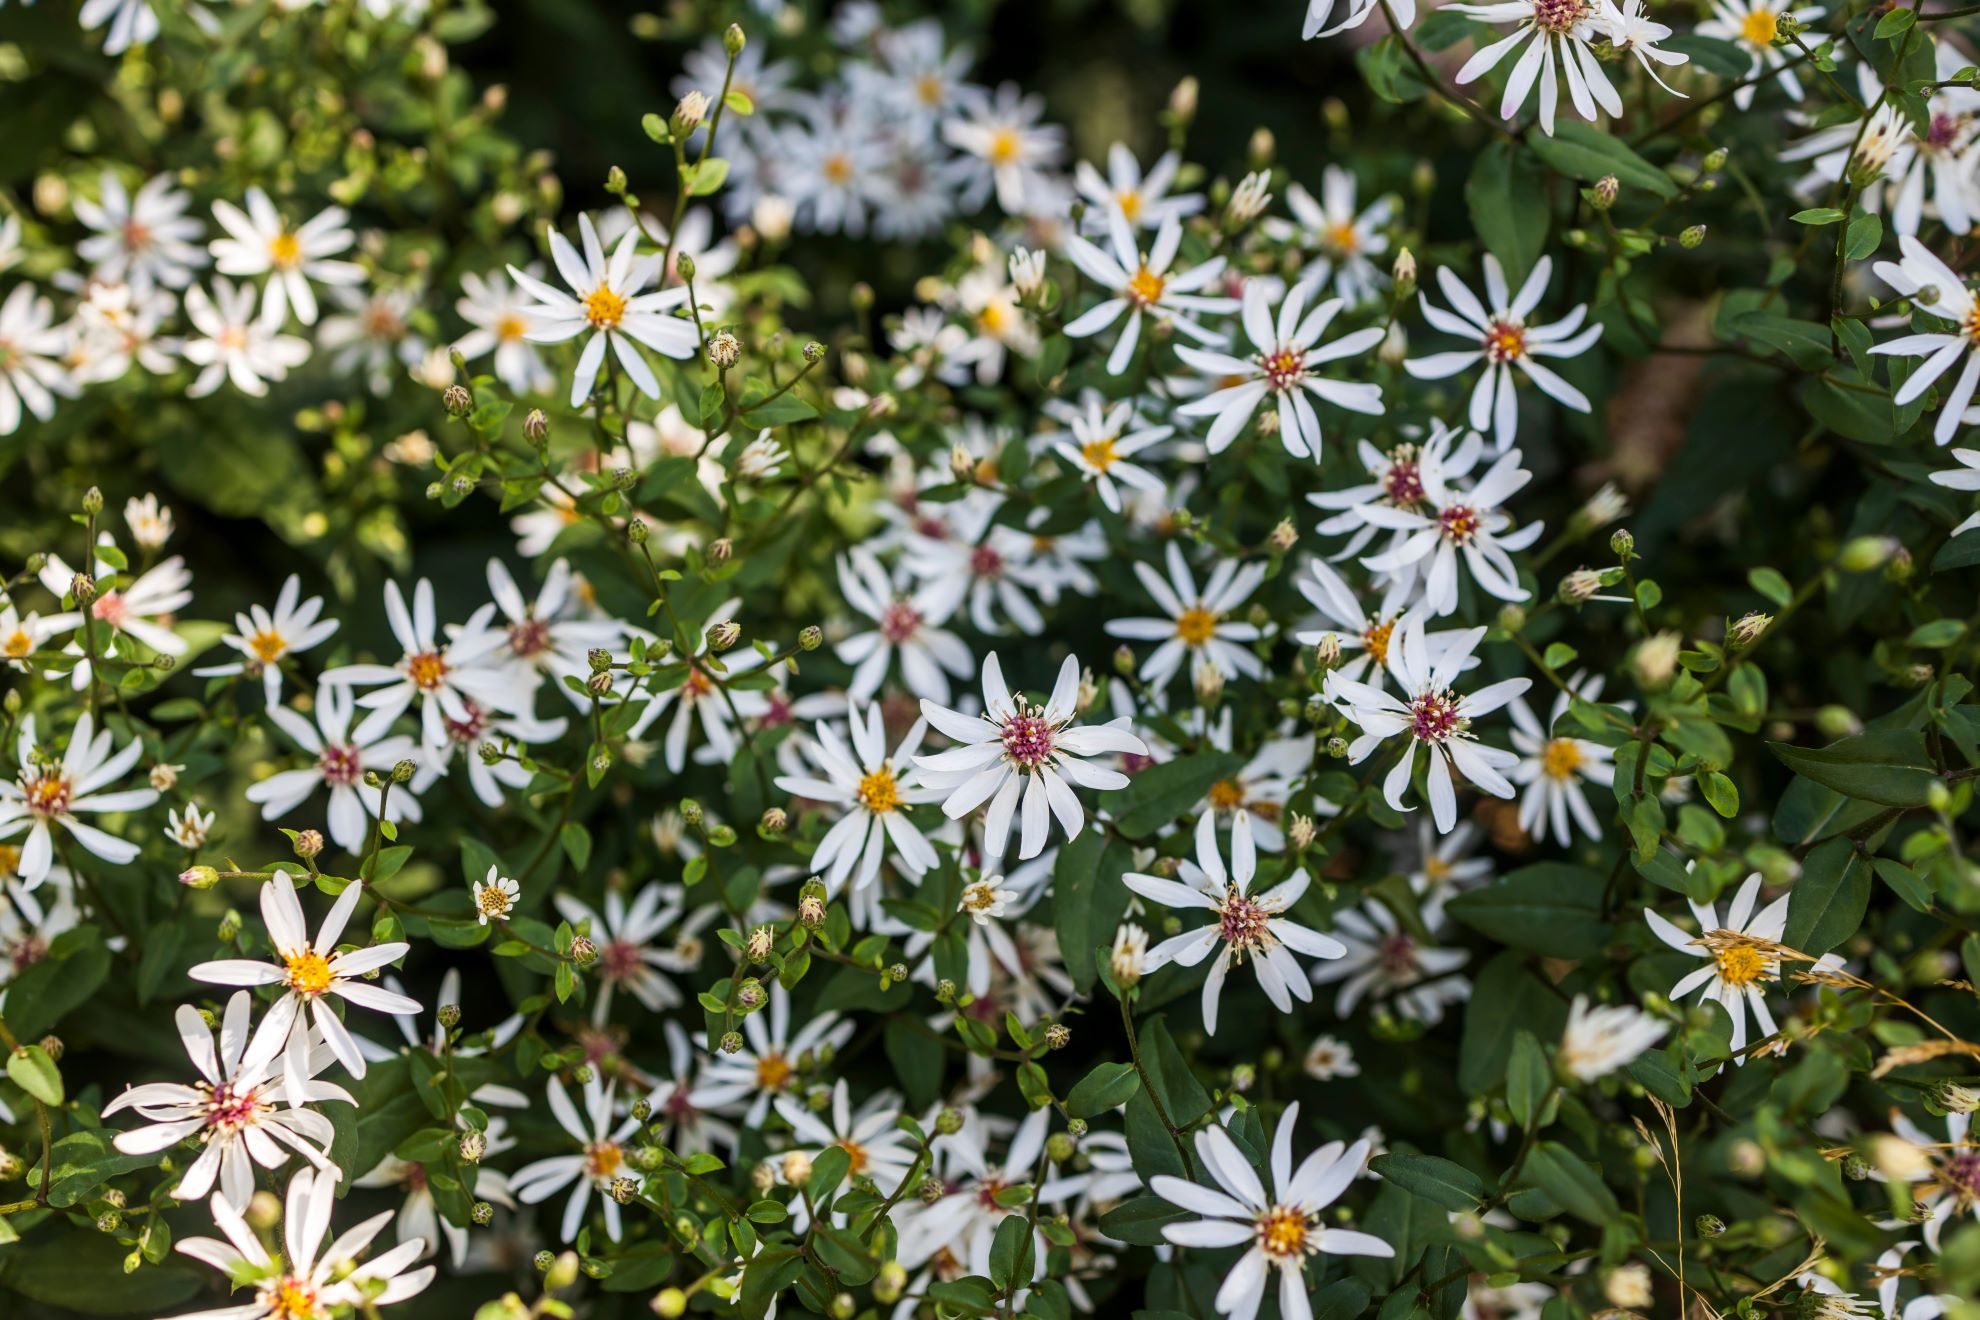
(473, 1146)
(1603, 195)
(1747, 629)
(732, 1042)
(1691, 236)
(811, 911)
(720, 550)
(1284, 536)
(309, 843)
(481, 1214)
(1301, 831)
(1058, 1036)
(583, 951)
(688, 114)
(774, 820)
(725, 350)
(1622, 544)
(811, 637)
(1580, 586)
(92, 501)
(723, 635)
(536, 427)
(761, 941)
(1404, 273)
(402, 771)
(199, 877)
(733, 40)
(1866, 553)
(457, 400)
(949, 1122)
(1710, 1226)
(1183, 98)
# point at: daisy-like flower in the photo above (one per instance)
(450, 681)
(987, 901)
(1247, 925)
(310, 971)
(1941, 349)
(871, 1139)
(1553, 769)
(234, 344)
(1282, 1231)
(1329, 1057)
(685, 1117)
(1357, 12)
(698, 695)
(500, 315)
(600, 1162)
(1344, 239)
(957, 1230)
(547, 634)
(1395, 478)
(343, 755)
(1198, 626)
(1451, 523)
(1741, 957)
(769, 1063)
(1964, 477)
(309, 1280)
(1284, 366)
(260, 242)
(22, 635)
(629, 954)
(190, 828)
(1560, 30)
(1597, 1041)
(1439, 865)
(873, 788)
(1103, 444)
(1142, 198)
(1429, 713)
(1505, 341)
(50, 793)
(140, 611)
(31, 348)
(144, 239)
(1753, 25)
(905, 625)
(266, 638)
(1141, 283)
(1015, 748)
(1948, 1170)
(606, 301)
(371, 334)
(1004, 148)
(1385, 962)
(495, 896)
(243, 1111)
(150, 522)
(982, 563)
(1630, 29)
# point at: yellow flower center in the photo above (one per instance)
(1130, 203)
(1759, 27)
(856, 1153)
(605, 307)
(838, 169)
(1436, 870)
(1099, 453)
(492, 901)
(1561, 758)
(1970, 327)
(1342, 238)
(1195, 625)
(602, 1160)
(17, 644)
(880, 791)
(511, 328)
(268, 646)
(1283, 1232)
(1226, 795)
(290, 1298)
(426, 670)
(929, 88)
(773, 1072)
(309, 973)
(1145, 286)
(995, 317)
(10, 859)
(1005, 146)
(1377, 640)
(1741, 965)
(285, 250)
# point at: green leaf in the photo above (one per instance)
(1508, 997)
(83, 1161)
(1528, 1079)
(35, 1072)
(1864, 235)
(1507, 199)
(1805, 343)
(1769, 583)
(1449, 1185)
(1886, 766)
(1720, 792)
(1156, 797)
(1818, 216)
(83, 1271)
(1583, 151)
(1139, 1221)
(1108, 1086)
(1894, 23)
(1550, 908)
(1827, 903)
(1088, 899)
(1570, 1181)
(705, 178)
(1011, 1254)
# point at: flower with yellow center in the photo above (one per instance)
(1284, 1232)
(773, 1071)
(1196, 625)
(268, 646)
(604, 307)
(308, 973)
(1099, 452)
(880, 791)
(285, 250)
(1741, 957)
(1146, 286)
(1741, 965)
(290, 1298)
(1005, 146)
(1226, 795)
(603, 1160)
(1760, 27)
(1561, 758)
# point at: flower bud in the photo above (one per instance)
(1691, 236)
(1954, 1098)
(481, 1214)
(536, 427)
(1603, 195)
(931, 1190)
(1403, 272)
(761, 941)
(1337, 747)
(795, 1167)
(949, 1122)
(402, 771)
(83, 587)
(720, 550)
(1183, 98)
(725, 350)
(309, 844)
(583, 951)
(473, 1146)
(1747, 629)
(1058, 1036)
(448, 1015)
(733, 40)
(1209, 685)
(1623, 544)
(1866, 553)
(732, 1042)
(723, 635)
(890, 1283)
(457, 400)
(669, 1303)
(814, 351)
(1710, 1226)
(1655, 660)
(199, 877)
(264, 1210)
(684, 265)
(811, 637)
(811, 911)
(1580, 586)
(563, 1272)
(688, 114)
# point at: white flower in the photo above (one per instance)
(144, 239)
(1284, 367)
(233, 344)
(189, 830)
(1027, 268)
(871, 1139)
(1004, 147)
(1965, 477)
(1345, 239)
(31, 374)
(1504, 340)
(1396, 479)
(1128, 960)
(1319, 11)
(260, 242)
(372, 334)
(1383, 961)
(546, 634)
(1142, 198)
(1630, 28)
(1103, 443)
(605, 299)
(682, 1112)
(982, 562)
(150, 523)
(308, 1279)
(140, 611)
(1431, 714)
(1597, 1041)
(450, 682)
(55, 792)
(500, 314)
(495, 895)
(600, 1161)
(874, 790)
(1246, 926)
(419, 1219)
(1740, 960)
(1454, 523)
(243, 1112)
(1281, 1231)
(964, 1221)
(343, 756)
(10, 241)
(1954, 302)
(986, 900)
(909, 626)
(1439, 865)
(1138, 283)
(1947, 1170)
(1554, 767)
(310, 971)
(1196, 626)
(833, 168)
(767, 1064)
(1754, 25)
(760, 458)
(1329, 1057)
(21, 635)
(699, 694)
(1562, 30)
(629, 956)
(265, 639)
(1015, 747)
